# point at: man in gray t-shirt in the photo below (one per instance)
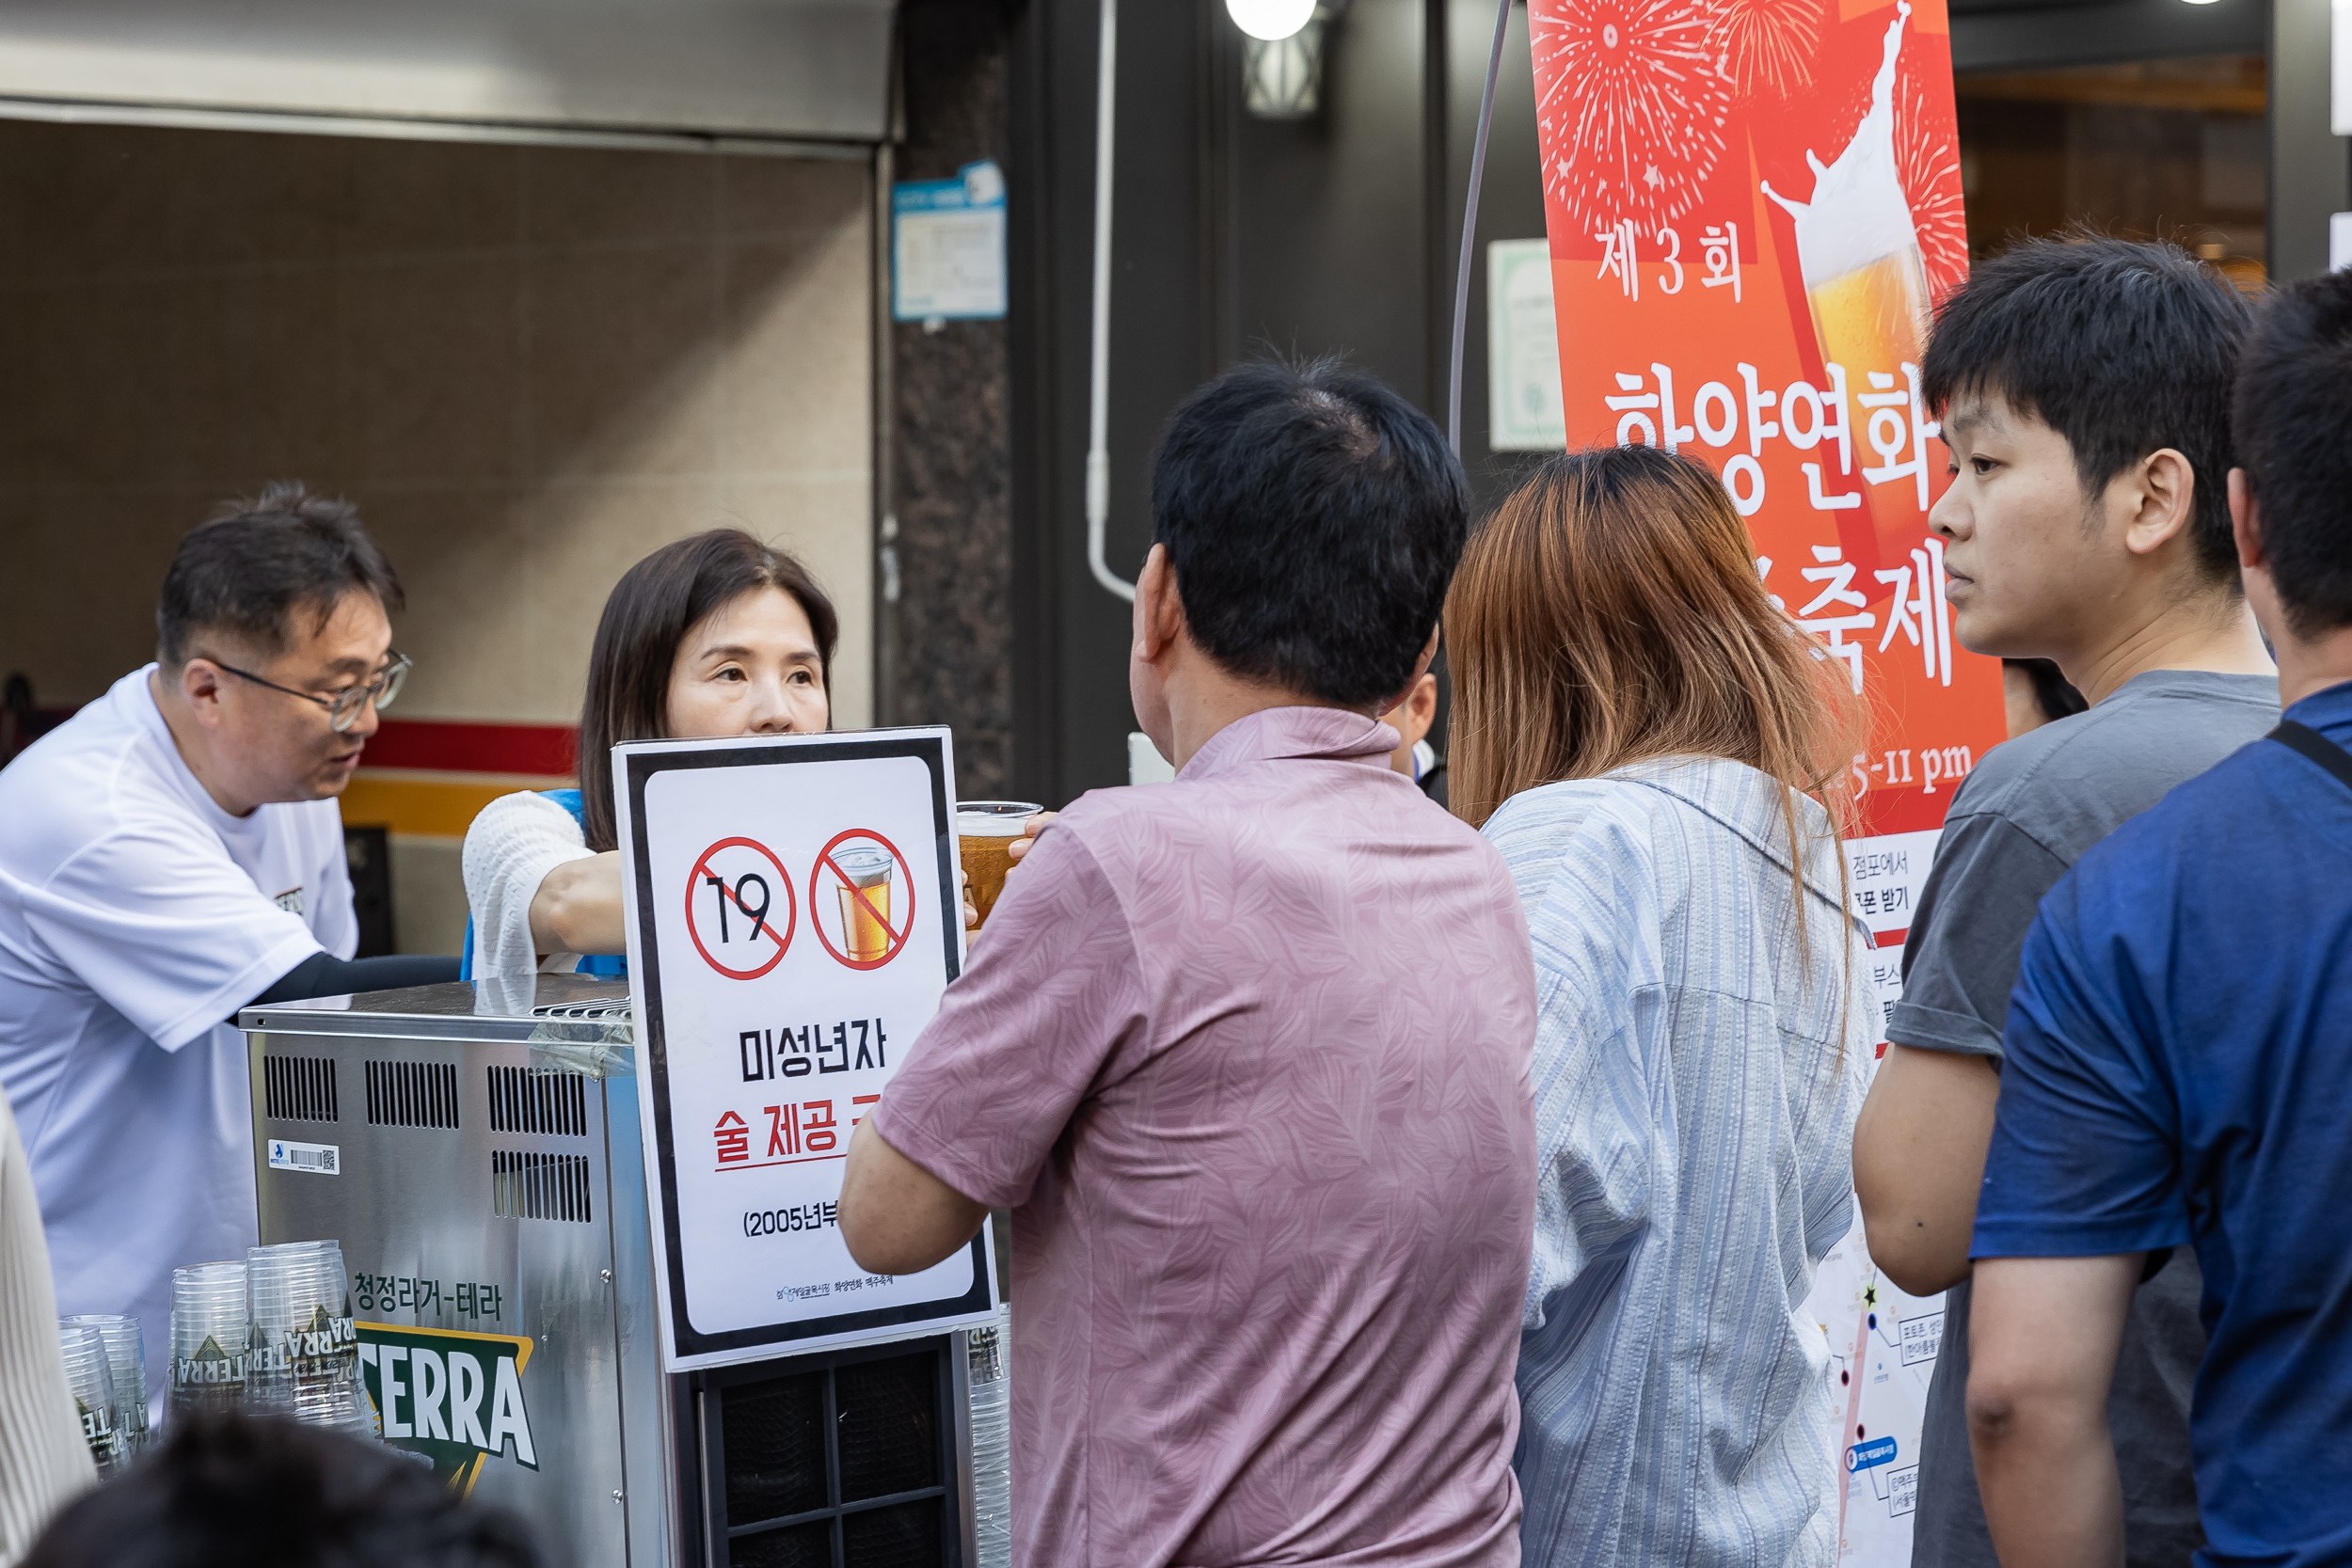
(2029, 811)
(2084, 389)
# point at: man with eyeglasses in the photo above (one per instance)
(174, 853)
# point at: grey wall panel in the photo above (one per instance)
(760, 68)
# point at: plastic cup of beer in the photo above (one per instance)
(984, 834)
(866, 876)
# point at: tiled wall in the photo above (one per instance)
(528, 366)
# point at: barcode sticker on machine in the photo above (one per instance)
(316, 1159)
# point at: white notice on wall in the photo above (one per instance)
(947, 247)
(1522, 350)
(793, 919)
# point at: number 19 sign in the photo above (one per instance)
(793, 918)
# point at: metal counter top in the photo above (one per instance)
(525, 1009)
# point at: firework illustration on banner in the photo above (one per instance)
(1632, 101)
(1752, 207)
(1766, 45)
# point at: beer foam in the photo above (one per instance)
(1858, 212)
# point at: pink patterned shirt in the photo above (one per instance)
(1248, 1055)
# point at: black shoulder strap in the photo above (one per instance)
(2317, 747)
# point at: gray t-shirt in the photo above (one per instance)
(2018, 821)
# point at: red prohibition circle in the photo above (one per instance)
(815, 872)
(791, 908)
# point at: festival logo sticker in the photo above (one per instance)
(454, 1397)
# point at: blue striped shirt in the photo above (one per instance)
(1699, 1061)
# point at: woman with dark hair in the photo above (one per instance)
(715, 635)
(2034, 692)
(1663, 756)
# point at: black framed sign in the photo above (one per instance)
(793, 917)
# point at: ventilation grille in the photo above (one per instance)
(525, 1101)
(299, 1089)
(412, 1094)
(616, 1007)
(526, 1186)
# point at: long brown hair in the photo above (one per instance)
(1611, 612)
(652, 607)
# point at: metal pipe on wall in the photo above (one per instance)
(1470, 231)
(1098, 385)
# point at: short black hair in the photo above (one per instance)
(248, 568)
(652, 607)
(1313, 518)
(2294, 424)
(244, 1489)
(2121, 346)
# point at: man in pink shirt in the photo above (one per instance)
(1247, 1053)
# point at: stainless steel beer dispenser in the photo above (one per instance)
(475, 1150)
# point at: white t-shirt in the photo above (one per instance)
(135, 917)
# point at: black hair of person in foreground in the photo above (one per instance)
(260, 1492)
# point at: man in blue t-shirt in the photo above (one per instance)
(2179, 1063)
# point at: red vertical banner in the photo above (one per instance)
(1752, 206)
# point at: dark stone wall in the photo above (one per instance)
(948, 653)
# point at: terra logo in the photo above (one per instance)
(453, 1397)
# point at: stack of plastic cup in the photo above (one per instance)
(88, 1373)
(126, 1358)
(210, 1329)
(990, 1354)
(306, 1351)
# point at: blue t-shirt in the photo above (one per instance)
(2180, 1073)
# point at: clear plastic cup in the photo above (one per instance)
(985, 831)
(211, 1336)
(306, 1347)
(126, 1359)
(90, 1376)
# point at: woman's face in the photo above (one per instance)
(749, 667)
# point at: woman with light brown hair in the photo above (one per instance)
(1660, 753)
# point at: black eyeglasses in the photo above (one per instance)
(343, 708)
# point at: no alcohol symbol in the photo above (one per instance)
(739, 908)
(871, 883)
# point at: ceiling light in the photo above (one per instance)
(1275, 20)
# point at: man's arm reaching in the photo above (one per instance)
(325, 974)
(1919, 1161)
(895, 1217)
(2043, 1338)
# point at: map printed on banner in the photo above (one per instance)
(793, 919)
(1750, 207)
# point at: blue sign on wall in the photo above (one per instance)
(947, 247)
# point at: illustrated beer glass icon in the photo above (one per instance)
(1867, 283)
(866, 872)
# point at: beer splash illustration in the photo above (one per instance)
(1864, 274)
